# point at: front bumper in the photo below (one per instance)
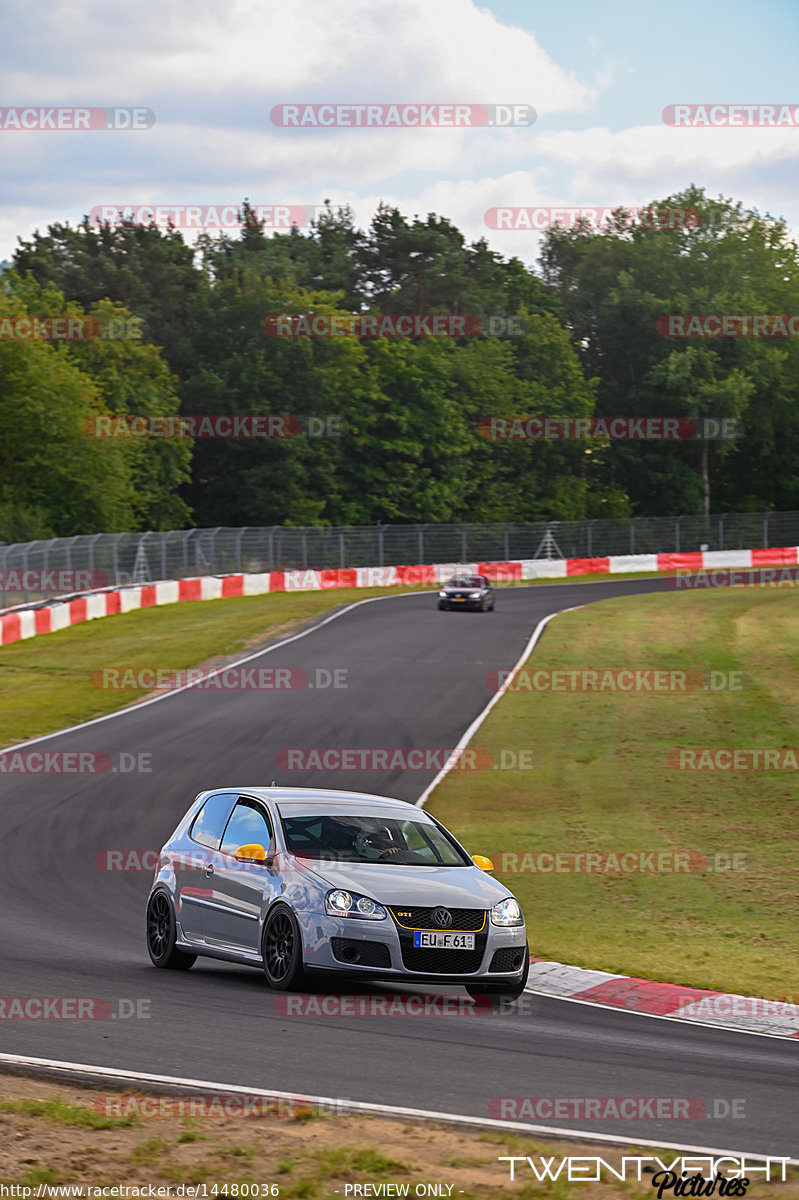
(385, 952)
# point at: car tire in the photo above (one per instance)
(441, 607)
(162, 935)
(509, 991)
(281, 949)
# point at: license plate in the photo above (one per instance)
(458, 599)
(443, 941)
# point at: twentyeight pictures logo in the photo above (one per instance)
(399, 116)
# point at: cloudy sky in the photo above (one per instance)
(599, 76)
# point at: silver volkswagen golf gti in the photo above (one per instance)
(298, 881)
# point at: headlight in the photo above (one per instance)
(507, 912)
(348, 904)
(474, 595)
(443, 595)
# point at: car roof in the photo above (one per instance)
(304, 796)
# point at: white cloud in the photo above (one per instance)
(213, 71)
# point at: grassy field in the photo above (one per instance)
(51, 1134)
(601, 781)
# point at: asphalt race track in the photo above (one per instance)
(416, 678)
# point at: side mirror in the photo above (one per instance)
(253, 852)
(485, 864)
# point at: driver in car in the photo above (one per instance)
(373, 844)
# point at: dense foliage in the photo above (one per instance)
(405, 411)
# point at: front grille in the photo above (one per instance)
(510, 958)
(441, 962)
(464, 920)
(369, 954)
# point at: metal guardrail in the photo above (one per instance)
(117, 559)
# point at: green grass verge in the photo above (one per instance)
(75, 1116)
(601, 782)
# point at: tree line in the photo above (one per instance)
(430, 336)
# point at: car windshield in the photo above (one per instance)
(465, 581)
(358, 838)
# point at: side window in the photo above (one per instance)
(210, 820)
(247, 824)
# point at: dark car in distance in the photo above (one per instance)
(467, 591)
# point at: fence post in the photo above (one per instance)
(341, 548)
(632, 535)
(677, 535)
(765, 533)
(589, 538)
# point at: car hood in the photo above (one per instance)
(455, 887)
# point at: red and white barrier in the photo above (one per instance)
(27, 623)
(780, 1017)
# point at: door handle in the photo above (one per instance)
(208, 869)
